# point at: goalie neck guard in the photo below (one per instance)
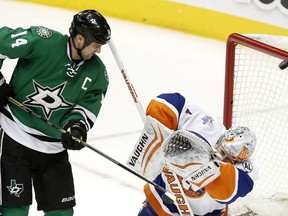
(185, 152)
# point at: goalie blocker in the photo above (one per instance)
(146, 157)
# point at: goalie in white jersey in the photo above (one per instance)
(204, 165)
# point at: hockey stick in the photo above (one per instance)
(167, 196)
(127, 80)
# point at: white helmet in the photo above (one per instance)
(238, 143)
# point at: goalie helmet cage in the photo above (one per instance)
(256, 96)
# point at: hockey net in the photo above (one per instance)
(256, 95)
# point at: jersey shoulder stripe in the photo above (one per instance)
(166, 108)
(175, 99)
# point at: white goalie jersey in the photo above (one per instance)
(165, 114)
(172, 112)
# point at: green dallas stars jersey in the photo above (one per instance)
(46, 80)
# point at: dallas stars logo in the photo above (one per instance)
(48, 99)
(15, 188)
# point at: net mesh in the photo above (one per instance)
(260, 102)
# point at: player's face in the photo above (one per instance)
(90, 50)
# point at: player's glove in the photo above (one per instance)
(5, 91)
(77, 130)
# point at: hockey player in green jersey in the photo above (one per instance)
(61, 79)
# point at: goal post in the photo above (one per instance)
(256, 96)
(233, 42)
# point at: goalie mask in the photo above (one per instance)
(185, 152)
(238, 143)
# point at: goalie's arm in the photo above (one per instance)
(234, 181)
(166, 108)
(176, 112)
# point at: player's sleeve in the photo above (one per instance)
(88, 107)
(235, 181)
(154, 197)
(166, 108)
(16, 43)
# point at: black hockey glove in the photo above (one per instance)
(5, 91)
(77, 130)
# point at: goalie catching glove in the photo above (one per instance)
(75, 129)
(191, 157)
